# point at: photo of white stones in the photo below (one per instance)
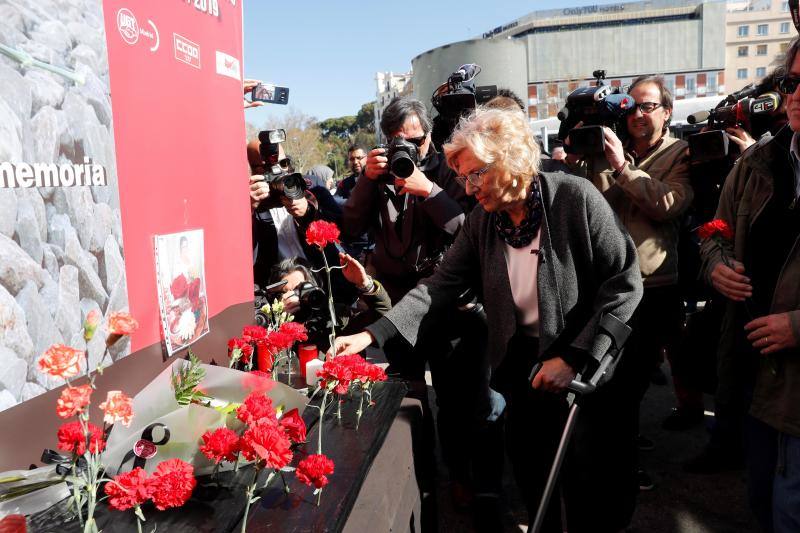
(61, 249)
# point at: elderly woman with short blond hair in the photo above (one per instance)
(549, 258)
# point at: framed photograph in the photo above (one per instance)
(181, 288)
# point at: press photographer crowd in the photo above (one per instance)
(543, 290)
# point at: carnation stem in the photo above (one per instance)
(285, 485)
(138, 525)
(250, 491)
(319, 497)
(321, 414)
(360, 409)
(331, 309)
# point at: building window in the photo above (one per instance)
(784, 46)
(785, 7)
(784, 27)
(761, 72)
(743, 51)
(711, 84)
(690, 86)
(741, 74)
(761, 29)
(761, 50)
(744, 31)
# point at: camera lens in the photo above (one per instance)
(401, 164)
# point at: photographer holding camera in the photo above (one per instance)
(646, 182)
(283, 207)
(303, 297)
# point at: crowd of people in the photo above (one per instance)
(490, 257)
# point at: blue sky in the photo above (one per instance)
(328, 51)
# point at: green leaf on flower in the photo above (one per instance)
(186, 381)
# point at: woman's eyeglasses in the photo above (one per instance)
(474, 178)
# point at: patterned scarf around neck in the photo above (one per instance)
(522, 235)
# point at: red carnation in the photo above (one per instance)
(321, 233)
(294, 426)
(715, 227)
(179, 287)
(268, 443)
(337, 373)
(73, 400)
(373, 373)
(297, 332)
(241, 349)
(314, 469)
(72, 439)
(129, 490)
(219, 445)
(173, 483)
(257, 407)
(254, 332)
(278, 341)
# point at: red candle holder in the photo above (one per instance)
(305, 353)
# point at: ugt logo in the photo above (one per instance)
(186, 51)
(127, 26)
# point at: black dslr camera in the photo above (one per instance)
(455, 98)
(598, 106)
(403, 157)
(313, 301)
(280, 176)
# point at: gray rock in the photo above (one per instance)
(39, 209)
(54, 35)
(7, 400)
(45, 88)
(10, 133)
(28, 231)
(93, 37)
(12, 372)
(39, 319)
(68, 316)
(13, 330)
(89, 281)
(95, 92)
(8, 212)
(50, 262)
(31, 390)
(16, 91)
(46, 127)
(102, 225)
(117, 229)
(43, 53)
(86, 55)
(80, 208)
(11, 17)
(113, 266)
(78, 114)
(16, 267)
(57, 229)
(49, 295)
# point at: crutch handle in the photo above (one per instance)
(575, 386)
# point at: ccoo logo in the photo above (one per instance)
(186, 51)
(127, 26)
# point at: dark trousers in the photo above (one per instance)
(598, 477)
(773, 477)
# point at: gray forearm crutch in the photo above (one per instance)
(618, 332)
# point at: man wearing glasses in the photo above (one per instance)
(355, 245)
(758, 271)
(646, 182)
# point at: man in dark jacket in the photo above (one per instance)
(758, 271)
(356, 245)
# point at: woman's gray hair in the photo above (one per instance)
(502, 138)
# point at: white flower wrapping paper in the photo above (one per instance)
(156, 404)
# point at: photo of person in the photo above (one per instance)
(182, 288)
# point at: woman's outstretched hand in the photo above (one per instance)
(350, 344)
